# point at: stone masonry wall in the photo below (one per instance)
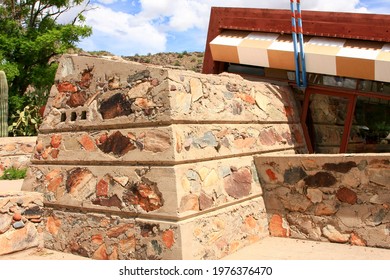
(15, 152)
(336, 198)
(21, 220)
(107, 236)
(168, 147)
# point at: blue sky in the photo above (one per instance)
(128, 27)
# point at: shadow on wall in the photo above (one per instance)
(336, 198)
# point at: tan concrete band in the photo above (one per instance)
(330, 56)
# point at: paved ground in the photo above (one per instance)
(10, 185)
(268, 249)
(273, 248)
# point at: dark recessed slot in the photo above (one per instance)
(63, 117)
(73, 116)
(83, 115)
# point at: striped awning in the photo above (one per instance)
(330, 56)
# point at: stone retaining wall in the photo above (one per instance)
(21, 221)
(336, 198)
(15, 152)
(167, 154)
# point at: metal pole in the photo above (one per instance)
(302, 52)
(294, 37)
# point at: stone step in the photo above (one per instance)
(21, 220)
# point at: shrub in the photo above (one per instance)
(13, 173)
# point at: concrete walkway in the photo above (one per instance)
(270, 248)
(10, 185)
(273, 248)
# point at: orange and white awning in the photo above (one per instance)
(330, 56)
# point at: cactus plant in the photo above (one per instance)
(3, 105)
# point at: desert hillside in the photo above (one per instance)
(185, 60)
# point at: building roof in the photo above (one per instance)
(364, 27)
(352, 58)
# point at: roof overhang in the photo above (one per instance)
(351, 58)
(364, 27)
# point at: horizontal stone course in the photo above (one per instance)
(172, 144)
(149, 95)
(148, 190)
(104, 236)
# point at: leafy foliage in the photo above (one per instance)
(13, 173)
(25, 122)
(30, 38)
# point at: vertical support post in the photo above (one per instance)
(305, 109)
(348, 124)
(209, 65)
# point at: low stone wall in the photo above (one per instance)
(336, 198)
(15, 152)
(20, 219)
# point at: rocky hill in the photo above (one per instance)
(185, 60)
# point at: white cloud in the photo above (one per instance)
(157, 20)
(107, 2)
(122, 33)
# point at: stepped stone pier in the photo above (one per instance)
(143, 162)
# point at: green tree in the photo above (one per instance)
(30, 37)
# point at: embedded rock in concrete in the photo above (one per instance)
(77, 178)
(145, 194)
(117, 144)
(294, 175)
(157, 141)
(189, 203)
(334, 235)
(379, 176)
(296, 202)
(5, 222)
(320, 179)
(19, 239)
(277, 227)
(238, 184)
(326, 209)
(357, 241)
(314, 195)
(342, 167)
(346, 195)
(116, 106)
(303, 227)
(205, 201)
